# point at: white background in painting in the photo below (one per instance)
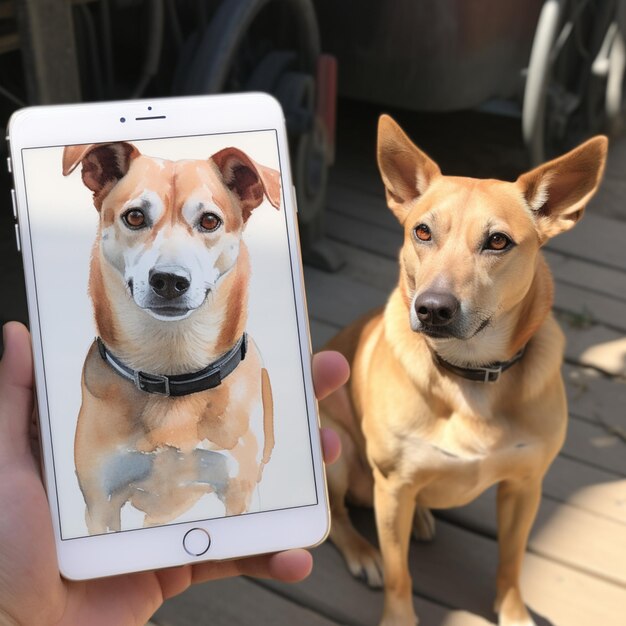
(63, 225)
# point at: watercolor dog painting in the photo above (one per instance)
(176, 402)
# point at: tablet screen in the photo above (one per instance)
(173, 372)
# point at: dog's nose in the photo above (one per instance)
(168, 285)
(436, 309)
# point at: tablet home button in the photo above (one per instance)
(196, 541)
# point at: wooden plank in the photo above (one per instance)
(561, 532)
(234, 601)
(596, 491)
(609, 200)
(361, 235)
(369, 268)
(458, 569)
(339, 300)
(361, 205)
(338, 595)
(595, 397)
(596, 446)
(607, 281)
(597, 239)
(589, 307)
(595, 346)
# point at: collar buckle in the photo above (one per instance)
(152, 383)
(492, 374)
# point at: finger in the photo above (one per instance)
(331, 445)
(330, 371)
(290, 567)
(16, 391)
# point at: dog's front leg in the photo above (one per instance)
(394, 503)
(517, 507)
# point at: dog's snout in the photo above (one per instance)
(168, 285)
(436, 308)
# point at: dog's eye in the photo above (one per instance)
(497, 241)
(422, 232)
(134, 218)
(210, 222)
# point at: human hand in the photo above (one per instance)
(32, 592)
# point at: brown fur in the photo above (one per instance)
(416, 436)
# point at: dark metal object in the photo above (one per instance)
(431, 55)
(49, 52)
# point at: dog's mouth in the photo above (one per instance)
(169, 311)
(482, 326)
(452, 331)
(436, 333)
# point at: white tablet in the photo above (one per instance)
(172, 355)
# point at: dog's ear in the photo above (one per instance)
(103, 164)
(558, 191)
(406, 171)
(247, 179)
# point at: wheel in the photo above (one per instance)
(574, 75)
(533, 109)
(606, 107)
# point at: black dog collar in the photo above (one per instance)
(180, 384)
(486, 374)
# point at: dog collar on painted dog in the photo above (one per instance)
(180, 384)
(487, 374)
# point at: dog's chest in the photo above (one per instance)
(457, 463)
(214, 419)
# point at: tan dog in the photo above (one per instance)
(175, 400)
(421, 427)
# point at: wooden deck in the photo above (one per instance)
(575, 568)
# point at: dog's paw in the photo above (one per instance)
(511, 610)
(366, 564)
(423, 524)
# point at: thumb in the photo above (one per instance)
(16, 392)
